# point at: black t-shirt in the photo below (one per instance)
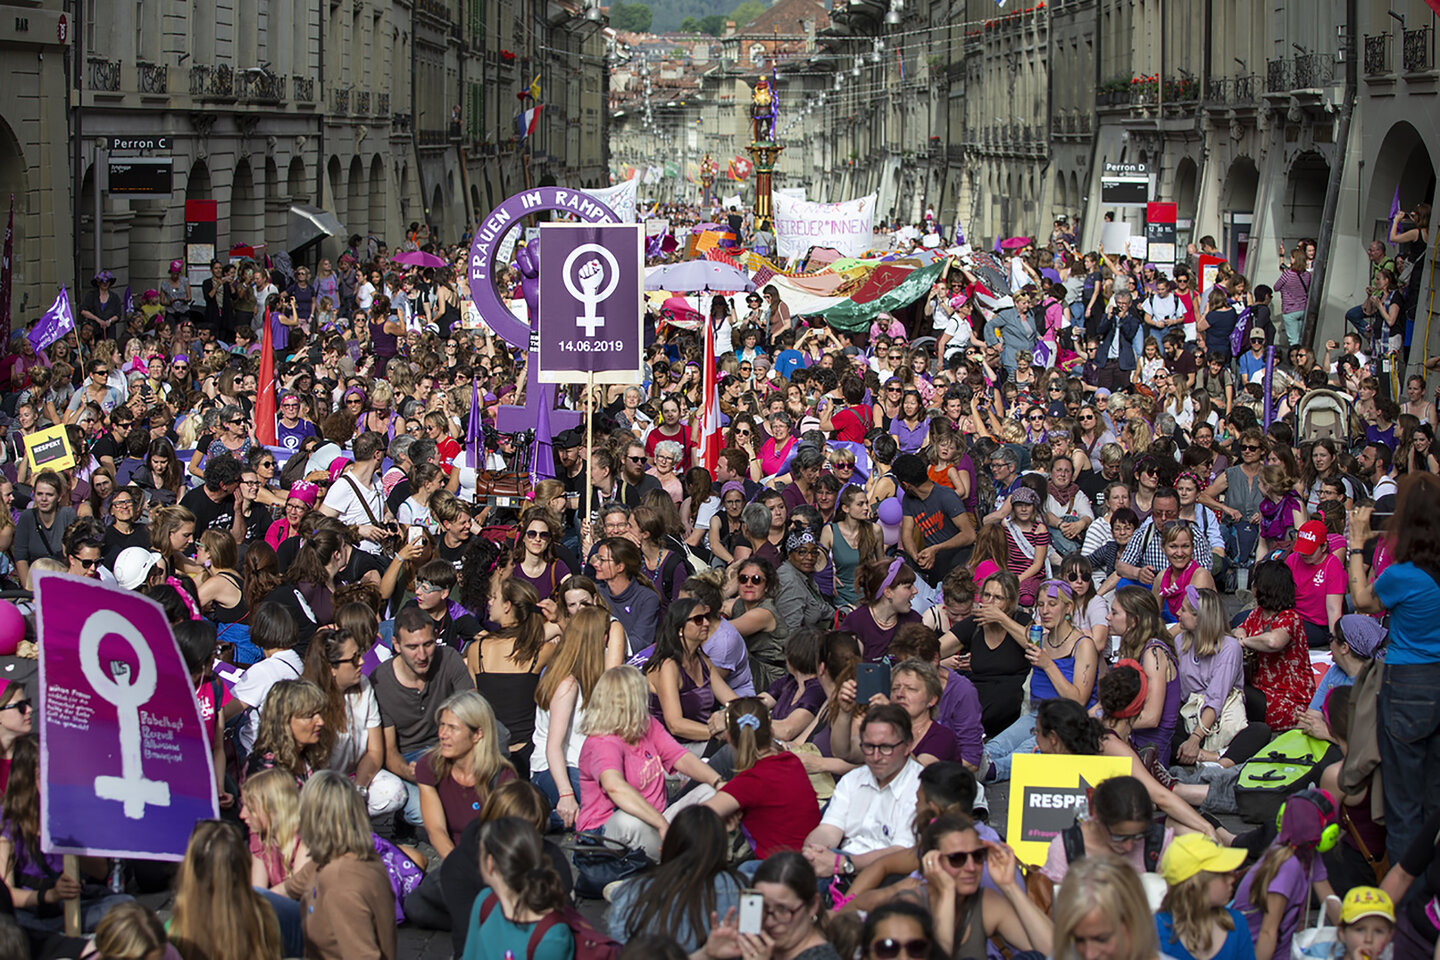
(257, 522)
(209, 515)
(108, 446)
(115, 541)
(1092, 483)
(455, 556)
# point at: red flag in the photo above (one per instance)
(1434, 5)
(265, 396)
(706, 434)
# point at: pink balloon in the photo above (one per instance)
(12, 628)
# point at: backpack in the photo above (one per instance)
(590, 944)
(1291, 762)
(1074, 841)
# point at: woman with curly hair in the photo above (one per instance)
(506, 662)
(292, 734)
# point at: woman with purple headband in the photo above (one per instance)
(887, 588)
(1063, 664)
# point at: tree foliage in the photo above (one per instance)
(631, 17)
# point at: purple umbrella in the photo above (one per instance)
(698, 275)
(418, 258)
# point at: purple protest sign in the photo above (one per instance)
(53, 323)
(125, 762)
(480, 270)
(592, 290)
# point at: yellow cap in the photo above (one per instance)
(1366, 902)
(1191, 853)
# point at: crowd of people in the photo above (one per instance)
(755, 705)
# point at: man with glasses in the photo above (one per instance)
(871, 812)
(634, 482)
(217, 504)
(110, 448)
(1144, 557)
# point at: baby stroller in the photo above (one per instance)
(1323, 413)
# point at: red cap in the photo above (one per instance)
(1311, 538)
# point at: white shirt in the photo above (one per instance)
(254, 686)
(954, 324)
(872, 817)
(362, 712)
(466, 488)
(707, 512)
(574, 739)
(365, 295)
(349, 508)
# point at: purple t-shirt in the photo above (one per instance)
(874, 641)
(959, 711)
(939, 743)
(726, 650)
(1292, 881)
(789, 697)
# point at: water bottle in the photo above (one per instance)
(1036, 634)
(117, 877)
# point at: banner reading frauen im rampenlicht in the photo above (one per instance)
(802, 224)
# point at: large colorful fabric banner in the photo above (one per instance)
(621, 198)
(125, 761)
(801, 224)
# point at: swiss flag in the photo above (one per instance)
(706, 433)
(740, 167)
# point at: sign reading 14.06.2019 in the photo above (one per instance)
(592, 279)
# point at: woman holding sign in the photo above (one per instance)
(37, 886)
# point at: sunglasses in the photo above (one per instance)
(24, 706)
(754, 579)
(890, 949)
(1119, 838)
(354, 661)
(537, 534)
(700, 619)
(86, 564)
(959, 858)
(1251, 446)
(636, 459)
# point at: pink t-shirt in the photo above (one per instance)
(644, 765)
(1315, 582)
(205, 696)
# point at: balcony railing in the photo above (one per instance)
(262, 87)
(400, 123)
(1377, 55)
(382, 104)
(103, 74)
(1313, 70)
(432, 137)
(342, 101)
(216, 81)
(152, 78)
(1277, 76)
(1417, 52)
(1215, 90)
(1242, 89)
(1182, 90)
(362, 103)
(303, 89)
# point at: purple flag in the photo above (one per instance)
(129, 302)
(54, 323)
(1268, 411)
(542, 454)
(125, 759)
(1395, 203)
(474, 433)
(7, 275)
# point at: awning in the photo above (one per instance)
(311, 225)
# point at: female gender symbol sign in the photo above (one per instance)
(590, 293)
(479, 271)
(130, 788)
